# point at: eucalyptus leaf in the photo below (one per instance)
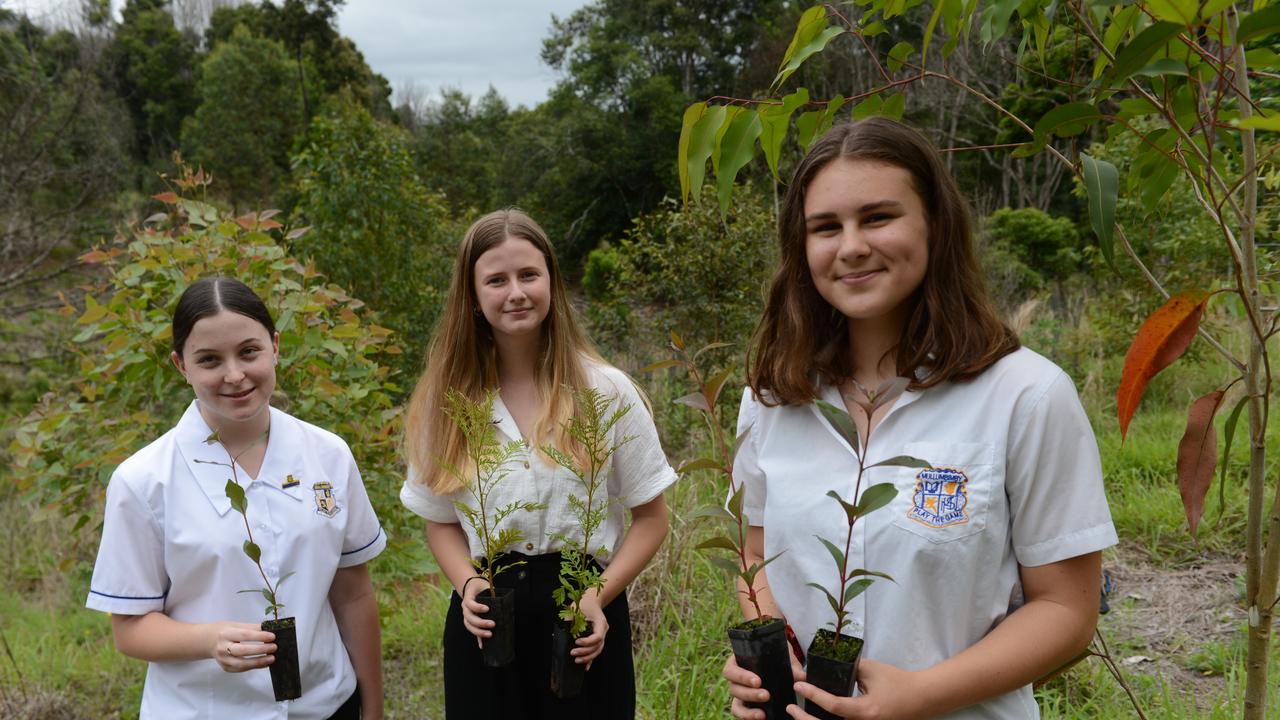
(839, 419)
(903, 461)
(719, 542)
(876, 497)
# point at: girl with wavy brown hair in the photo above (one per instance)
(508, 327)
(994, 550)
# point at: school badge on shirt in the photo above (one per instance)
(326, 502)
(940, 497)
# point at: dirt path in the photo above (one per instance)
(1161, 617)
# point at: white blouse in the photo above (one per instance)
(637, 473)
(1017, 481)
(171, 543)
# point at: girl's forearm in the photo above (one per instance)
(156, 637)
(649, 526)
(1054, 625)
(448, 543)
(355, 609)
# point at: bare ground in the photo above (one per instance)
(1161, 616)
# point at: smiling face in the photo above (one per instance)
(229, 360)
(513, 288)
(866, 240)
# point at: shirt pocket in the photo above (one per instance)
(950, 501)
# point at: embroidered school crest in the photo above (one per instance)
(940, 497)
(326, 502)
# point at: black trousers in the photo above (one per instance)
(522, 690)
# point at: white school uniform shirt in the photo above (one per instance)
(171, 543)
(637, 473)
(1017, 480)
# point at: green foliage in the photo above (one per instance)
(250, 111)
(1027, 249)
(488, 460)
(327, 63)
(589, 426)
(375, 227)
(123, 387)
(682, 269)
(155, 67)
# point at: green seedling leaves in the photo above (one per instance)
(692, 115)
(709, 347)
(235, 494)
(1259, 24)
(213, 436)
(876, 497)
(715, 384)
(856, 588)
(811, 125)
(1139, 52)
(736, 149)
(812, 35)
(836, 607)
(660, 365)
(701, 145)
(839, 419)
(726, 564)
(252, 550)
(737, 443)
(774, 121)
(1182, 12)
(850, 511)
(899, 54)
(836, 553)
(1261, 122)
(903, 461)
(715, 512)
(695, 400)
(719, 542)
(1228, 433)
(700, 464)
(735, 504)
(1101, 181)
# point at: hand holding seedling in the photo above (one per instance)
(473, 612)
(238, 646)
(590, 647)
(744, 687)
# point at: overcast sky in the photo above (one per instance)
(431, 44)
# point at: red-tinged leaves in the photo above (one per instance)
(169, 198)
(1197, 455)
(94, 257)
(270, 225)
(1163, 338)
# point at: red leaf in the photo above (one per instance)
(93, 257)
(1197, 456)
(248, 222)
(270, 225)
(1163, 338)
(167, 197)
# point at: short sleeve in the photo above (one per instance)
(1057, 506)
(416, 496)
(129, 576)
(746, 464)
(640, 471)
(365, 538)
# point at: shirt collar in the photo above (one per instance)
(831, 394)
(504, 420)
(208, 462)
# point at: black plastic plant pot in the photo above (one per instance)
(761, 647)
(285, 679)
(567, 676)
(832, 666)
(500, 648)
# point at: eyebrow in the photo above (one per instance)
(868, 207)
(244, 342)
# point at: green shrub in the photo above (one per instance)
(376, 228)
(1025, 250)
(122, 391)
(683, 270)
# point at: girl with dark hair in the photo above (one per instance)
(996, 570)
(508, 327)
(171, 567)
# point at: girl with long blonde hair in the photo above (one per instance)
(508, 328)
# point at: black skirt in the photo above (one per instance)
(522, 690)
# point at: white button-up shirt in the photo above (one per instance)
(636, 474)
(1017, 480)
(172, 544)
